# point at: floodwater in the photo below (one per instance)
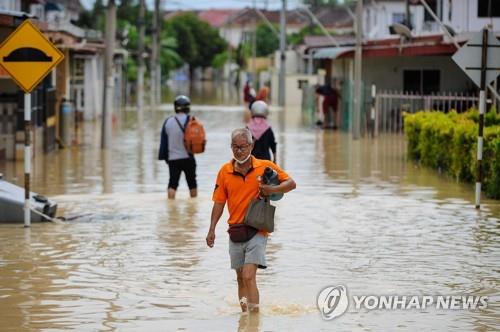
(361, 216)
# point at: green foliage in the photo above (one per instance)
(131, 70)
(243, 52)
(127, 32)
(220, 59)
(266, 39)
(319, 3)
(448, 142)
(198, 42)
(170, 59)
(94, 18)
(297, 38)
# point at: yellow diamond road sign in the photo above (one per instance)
(28, 56)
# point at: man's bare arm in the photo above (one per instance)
(283, 187)
(217, 211)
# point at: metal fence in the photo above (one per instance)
(384, 113)
(391, 105)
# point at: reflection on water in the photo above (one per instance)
(361, 216)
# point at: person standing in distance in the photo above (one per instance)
(263, 135)
(173, 151)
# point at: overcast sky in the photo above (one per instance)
(205, 4)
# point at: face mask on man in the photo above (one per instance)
(242, 161)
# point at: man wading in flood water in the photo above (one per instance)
(238, 182)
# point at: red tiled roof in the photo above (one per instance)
(217, 17)
(330, 17)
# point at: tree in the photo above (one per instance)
(93, 18)
(267, 41)
(197, 42)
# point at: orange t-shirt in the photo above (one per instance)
(239, 190)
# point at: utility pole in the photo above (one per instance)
(254, 45)
(358, 57)
(281, 95)
(408, 17)
(140, 55)
(109, 79)
(482, 111)
(154, 55)
(158, 4)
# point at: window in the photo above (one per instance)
(488, 8)
(247, 36)
(401, 18)
(398, 18)
(422, 82)
(437, 7)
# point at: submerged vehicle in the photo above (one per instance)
(12, 204)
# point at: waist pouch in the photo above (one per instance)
(241, 232)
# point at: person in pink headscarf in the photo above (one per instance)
(263, 135)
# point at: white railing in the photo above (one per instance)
(391, 105)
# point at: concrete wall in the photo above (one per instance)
(293, 95)
(293, 62)
(93, 87)
(387, 73)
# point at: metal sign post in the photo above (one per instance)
(482, 110)
(480, 60)
(28, 56)
(27, 158)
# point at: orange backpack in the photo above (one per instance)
(194, 136)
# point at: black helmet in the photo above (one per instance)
(181, 104)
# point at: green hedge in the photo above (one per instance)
(448, 142)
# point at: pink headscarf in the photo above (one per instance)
(258, 126)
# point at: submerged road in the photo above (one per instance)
(361, 216)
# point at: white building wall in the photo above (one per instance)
(387, 73)
(461, 15)
(14, 5)
(380, 15)
(232, 35)
(464, 16)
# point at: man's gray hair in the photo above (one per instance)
(242, 132)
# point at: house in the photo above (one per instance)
(78, 79)
(408, 61)
(461, 16)
(419, 61)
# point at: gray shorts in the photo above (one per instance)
(250, 252)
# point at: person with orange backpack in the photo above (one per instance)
(182, 136)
